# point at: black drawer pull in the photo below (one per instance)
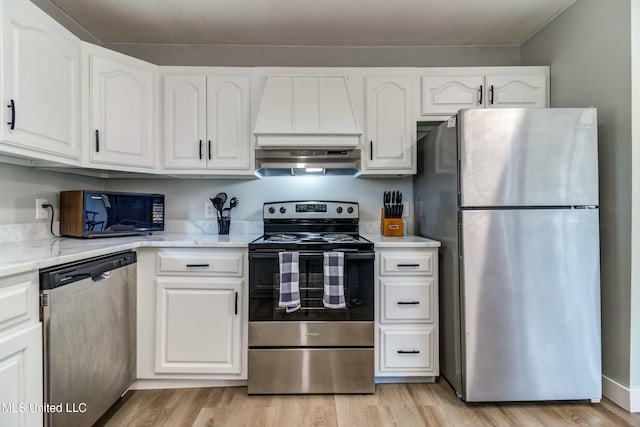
(408, 265)
(209, 149)
(12, 123)
(200, 150)
(408, 302)
(97, 141)
(491, 95)
(480, 95)
(236, 304)
(408, 351)
(197, 265)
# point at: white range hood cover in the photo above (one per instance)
(307, 111)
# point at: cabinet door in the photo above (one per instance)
(121, 114)
(442, 95)
(516, 91)
(21, 377)
(198, 324)
(184, 122)
(41, 81)
(228, 122)
(390, 142)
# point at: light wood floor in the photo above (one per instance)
(401, 405)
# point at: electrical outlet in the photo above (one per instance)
(405, 210)
(42, 213)
(208, 210)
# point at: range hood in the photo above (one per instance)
(307, 112)
(287, 161)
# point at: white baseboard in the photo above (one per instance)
(164, 384)
(625, 397)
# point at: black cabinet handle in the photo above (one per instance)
(97, 141)
(408, 302)
(371, 150)
(408, 351)
(200, 150)
(209, 149)
(491, 95)
(408, 265)
(236, 304)
(197, 265)
(12, 123)
(480, 97)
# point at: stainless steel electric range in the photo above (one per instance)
(313, 349)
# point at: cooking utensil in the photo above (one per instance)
(218, 202)
(234, 202)
(226, 213)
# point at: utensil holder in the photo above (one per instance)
(223, 225)
(391, 226)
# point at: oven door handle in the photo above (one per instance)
(347, 255)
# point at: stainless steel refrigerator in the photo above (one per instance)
(512, 194)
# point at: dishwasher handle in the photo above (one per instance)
(94, 268)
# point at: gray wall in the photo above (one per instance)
(20, 186)
(321, 56)
(588, 49)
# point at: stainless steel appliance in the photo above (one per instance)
(89, 327)
(108, 213)
(512, 194)
(314, 349)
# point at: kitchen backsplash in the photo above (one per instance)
(186, 198)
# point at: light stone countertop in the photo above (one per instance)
(18, 257)
(381, 241)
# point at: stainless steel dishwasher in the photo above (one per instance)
(88, 311)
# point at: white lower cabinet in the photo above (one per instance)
(407, 312)
(20, 352)
(198, 325)
(192, 322)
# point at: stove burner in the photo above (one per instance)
(283, 238)
(338, 237)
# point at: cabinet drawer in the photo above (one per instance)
(409, 263)
(18, 300)
(201, 262)
(407, 299)
(410, 349)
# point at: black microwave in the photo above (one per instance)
(86, 213)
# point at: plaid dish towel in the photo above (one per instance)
(289, 281)
(334, 280)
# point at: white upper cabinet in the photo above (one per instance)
(206, 123)
(122, 107)
(516, 91)
(446, 90)
(184, 121)
(390, 128)
(448, 94)
(227, 122)
(41, 85)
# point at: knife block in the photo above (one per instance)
(391, 226)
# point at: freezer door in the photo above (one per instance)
(528, 157)
(531, 305)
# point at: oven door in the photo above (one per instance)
(264, 288)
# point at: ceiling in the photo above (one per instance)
(314, 22)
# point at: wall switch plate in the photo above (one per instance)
(42, 213)
(209, 212)
(405, 210)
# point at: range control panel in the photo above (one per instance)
(310, 209)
